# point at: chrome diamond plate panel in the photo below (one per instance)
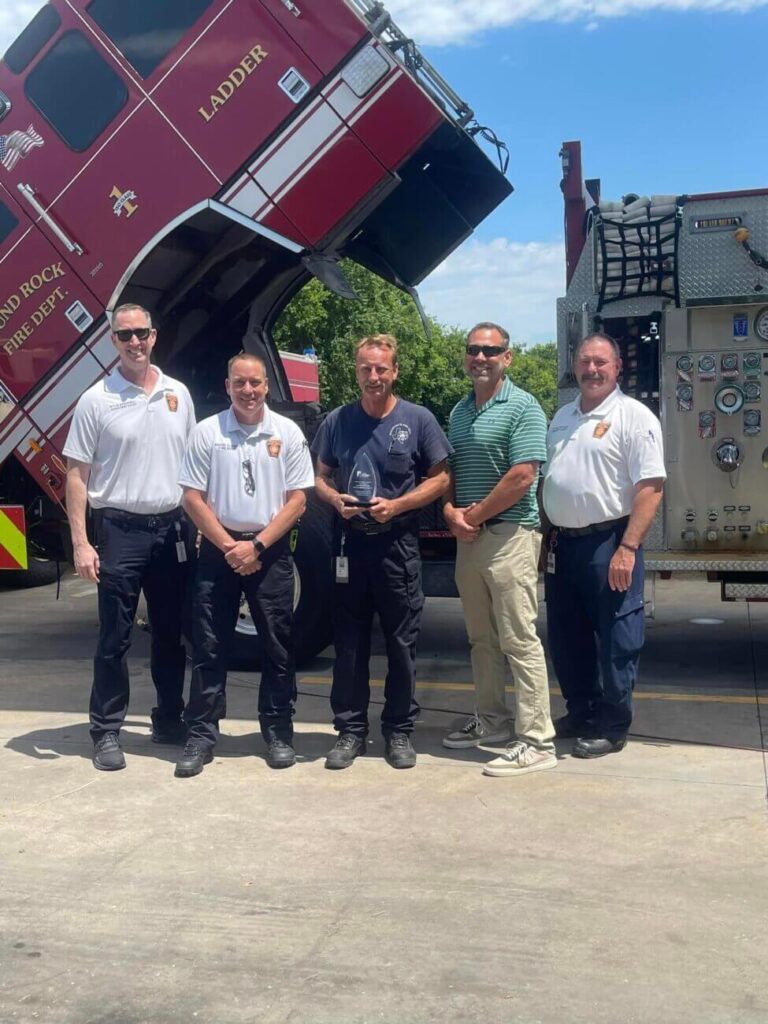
(670, 561)
(746, 591)
(712, 264)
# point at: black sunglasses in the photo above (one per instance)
(489, 351)
(142, 333)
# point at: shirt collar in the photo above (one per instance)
(116, 382)
(502, 395)
(232, 424)
(600, 410)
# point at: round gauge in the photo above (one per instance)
(752, 418)
(684, 392)
(706, 419)
(685, 363)
(730, 361)
(729, 399)
(761, 323)
(751, 360)
(706, 364)
(752, 390)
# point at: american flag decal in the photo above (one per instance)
(17, 145)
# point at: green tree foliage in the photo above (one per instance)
(431, 370)
(535, 369)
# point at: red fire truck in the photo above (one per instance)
(205, 158)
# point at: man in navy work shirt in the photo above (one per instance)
(378, 461)
(124, 451)
(244, 476)
(603, 483)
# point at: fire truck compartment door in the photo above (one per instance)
(93, 154)
(230, 91)
(44, 306)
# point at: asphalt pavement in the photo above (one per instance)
(629, 889)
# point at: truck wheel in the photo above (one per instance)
(41, 571)
(312, 594)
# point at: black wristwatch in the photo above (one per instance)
(259, 547)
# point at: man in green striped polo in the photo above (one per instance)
(499, 435)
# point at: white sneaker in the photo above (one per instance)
(474, 734)
(518, 759)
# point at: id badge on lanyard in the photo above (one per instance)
(181, 547)
(342, 564)
(551, 553)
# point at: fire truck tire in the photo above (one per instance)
(313, 594)
(39, 573)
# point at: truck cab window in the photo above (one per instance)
(26, 47)
(145, 31)
(75, 89)
(7, 222)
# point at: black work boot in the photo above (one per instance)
(398, 750)
(107, 755)
(280, 754)
(193, 760)
(347, 748)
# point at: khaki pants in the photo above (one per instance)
(497, 576)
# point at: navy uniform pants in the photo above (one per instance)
(385, 578)
(216, 604)
(594, 634)
(139, 553)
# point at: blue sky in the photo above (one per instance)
(665, 95)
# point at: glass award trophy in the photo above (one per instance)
(362, 480)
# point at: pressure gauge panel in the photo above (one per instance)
(761, 324)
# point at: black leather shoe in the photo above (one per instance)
(570, 728)
(193, 760)
(598, 747)
(347, 748)
(280, 754)
(398, 750)
(107, 755)
(170, 733)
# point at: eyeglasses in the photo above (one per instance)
(489, 351)
(142, 333)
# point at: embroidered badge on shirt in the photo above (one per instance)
(601, 429)
(171, 401)
(274, 444)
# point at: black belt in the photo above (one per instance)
(581, 531)
(372, 527)
(364, 526)
(244, 534)
(150, 522)
(494, 521)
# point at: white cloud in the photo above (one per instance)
(511, 283)
(453, 21)
(14, 15)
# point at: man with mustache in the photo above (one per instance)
(603, 483)
(499, 432)
(379, 460)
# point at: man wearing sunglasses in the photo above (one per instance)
(124, 452)
(499, 436)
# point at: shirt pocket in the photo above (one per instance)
(397, 465)
(628, 630)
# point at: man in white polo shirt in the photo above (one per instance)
(124, 451)
(244, 477)
(603, 483)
